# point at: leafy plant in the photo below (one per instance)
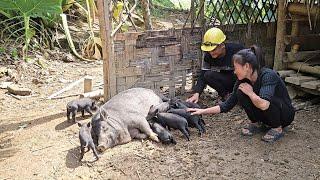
(21, 11)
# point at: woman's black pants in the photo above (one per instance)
(278, 114)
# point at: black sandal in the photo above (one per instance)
(252, 129)
(274, 136)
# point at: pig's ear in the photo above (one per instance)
(79, 124)
(89, 124)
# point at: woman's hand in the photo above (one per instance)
(195, 111)
(194, 98)
(246, 88)
(211, 110)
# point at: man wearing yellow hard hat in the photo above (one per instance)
(216, 68)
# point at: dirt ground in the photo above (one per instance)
(37, 142)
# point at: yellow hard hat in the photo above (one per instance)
(212, 38)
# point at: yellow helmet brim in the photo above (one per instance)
(207, 48)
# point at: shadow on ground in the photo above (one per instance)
(31, 123)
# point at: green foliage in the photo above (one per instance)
(19, 11)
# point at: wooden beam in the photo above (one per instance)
(286, 73)
(301, 9)
(281, 30)
(311, 84)
(302, 39)
(298, 80)
(301, 56)
(104, 12)
(304, 67)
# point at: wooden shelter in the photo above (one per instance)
(165, 59)
(297, 55)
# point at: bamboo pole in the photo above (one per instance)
(281, 29)
(105, 21)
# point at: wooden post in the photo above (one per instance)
(295, 33)
(104, 11)
(281, 30)
(87, 85)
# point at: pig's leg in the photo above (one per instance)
(68, 114)
(202, 126)
(73, 113)
(199, 128)
(81, 152)
(93, 148)
(184, 131)
(82, 112)
(135, 133)
(88, 110)
(145, 128)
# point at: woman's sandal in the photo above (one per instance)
(273, 136)
(252, 129)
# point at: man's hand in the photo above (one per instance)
(194, 98)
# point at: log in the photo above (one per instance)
(301, 56)
(286, 73)
(92, 94)
(66, 88)
(281, 30)
(301, 9)
(302, 39)
(304, 67)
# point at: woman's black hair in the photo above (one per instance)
(252, 56)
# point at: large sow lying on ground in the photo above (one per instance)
(123, 118)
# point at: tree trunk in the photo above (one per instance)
(146, 14)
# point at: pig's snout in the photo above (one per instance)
(102, 148)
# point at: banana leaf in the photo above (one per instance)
(28, 9)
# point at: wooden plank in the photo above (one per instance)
(304, 67)
(286, 73)
(301, 56)
(302, 39)
(311, 84)
(299, 79)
